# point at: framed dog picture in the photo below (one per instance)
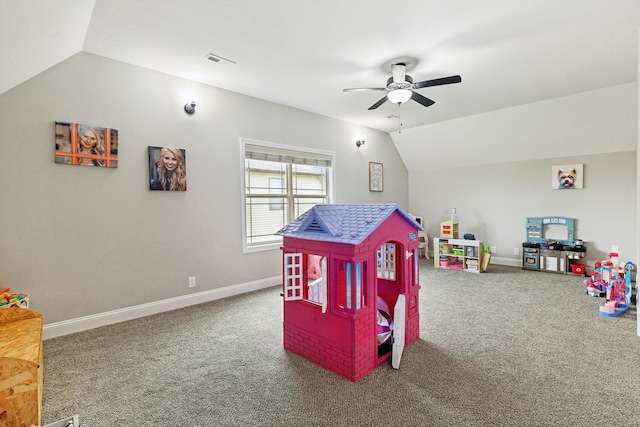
(567, 177)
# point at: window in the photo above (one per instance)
(351, 291)
(305, 278)
(276, 186)
(280, 183)
(387, 261)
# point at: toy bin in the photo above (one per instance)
(472, 264)
(448, 230)
(21, 300)
(578, 268)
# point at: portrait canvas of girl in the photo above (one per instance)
(85, 145)
(167, 169)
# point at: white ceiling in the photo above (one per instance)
(303, 53)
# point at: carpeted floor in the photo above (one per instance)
(504, 348)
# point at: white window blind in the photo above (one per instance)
(284, 155)
(305, 182)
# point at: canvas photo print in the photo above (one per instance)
(167, 169)
(86, 145)
(567, 177)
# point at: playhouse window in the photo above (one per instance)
(316, 280)
(351, 285)
(386, 260)
(305, 278)
(280, 183)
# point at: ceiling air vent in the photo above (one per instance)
(216, 58)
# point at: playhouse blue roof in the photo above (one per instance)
(349, 224)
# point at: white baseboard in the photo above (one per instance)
(92, 321)
(511, 262)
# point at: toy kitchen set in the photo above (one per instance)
(551, 246)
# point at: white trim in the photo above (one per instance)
(510, 262)
(92, 321)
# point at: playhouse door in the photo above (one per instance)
(399, 316)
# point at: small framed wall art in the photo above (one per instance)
(167, 169)
(376, 178)
(85, 145)
(567, 177)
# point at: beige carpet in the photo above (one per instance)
(503, 348)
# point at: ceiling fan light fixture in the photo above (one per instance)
(399, 96)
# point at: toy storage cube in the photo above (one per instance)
(448, 230)
(21, 369)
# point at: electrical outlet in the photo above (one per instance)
(192, 281)
(493, 249)
(516, 251)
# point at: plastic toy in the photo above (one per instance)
(605, 270)
(598, 266)
(628, 267)
(384, 323)
(616, 302)
(7, 298)
(350, 286)
(594, 285)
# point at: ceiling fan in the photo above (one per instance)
(400, 87)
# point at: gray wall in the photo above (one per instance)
(84, 240)
(493, 202)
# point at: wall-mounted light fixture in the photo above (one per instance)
(360, 142)
(190, 107)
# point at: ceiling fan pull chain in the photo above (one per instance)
(400, 128)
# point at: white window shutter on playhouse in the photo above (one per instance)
(292, 277)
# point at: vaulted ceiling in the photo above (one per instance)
(303, 53)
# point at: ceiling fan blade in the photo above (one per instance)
(398, 71)
(362, 89)
(379, 103)
(422, 99)
(438, 82)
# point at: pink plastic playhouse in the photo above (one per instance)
(350, 288)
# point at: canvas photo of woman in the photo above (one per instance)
(79, 144)
(167, 169)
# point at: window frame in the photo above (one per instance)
(271, 146)
(386, 259)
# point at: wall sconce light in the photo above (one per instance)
(360, 142)
(190, 107)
